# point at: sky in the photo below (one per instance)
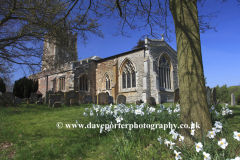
(220, 50)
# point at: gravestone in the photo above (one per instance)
(208, 96)
(137, 102)
(57, 104)
(34, 97)
(39, 103)
(29, 101)
(62, 95)
(17, 100)
(87, 99)
(41, 99)
(121, 99)
(110, 99)
(176, 95)
(151, 101)
(47, 96)
(70, 95)
(8, 96)
(54, 98)
(214, 99)
(1, 93)
(102, 98)
(73, 102)
(233, 99)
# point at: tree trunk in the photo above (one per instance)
(192, 88)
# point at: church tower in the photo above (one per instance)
(56, 53)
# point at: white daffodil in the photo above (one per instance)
(96, 109)
(213, 107)
(236, 135)
(223, 143)
(170, 111)
(172, 131)
(230, 112)
(174, 136)
(211, 134)
(206, 156)
(91, 113)
(158, 111)
(160, 140)
(142, 114)
(199, 146)
(102, 114)
(171, 144)
(216, 113)
(86, 109)
(223, 113)
(218, 128)
(138, 111)
(192, 132)
(181, 138)
(166, 142)
(118, 119)
(218, 123)
(177, 155)
(85, 114)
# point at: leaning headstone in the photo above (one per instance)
(70, 95)
(73, 102)
(87, 99)
(54, 98)
(47, 96)
(208, 96)
(62, 95)
(121, 99)
(110, 99)
(151, 101)
(8, 96)
(17, 100)
(41, 99)
(29, 101)
(137, 102)
(214, 99)
(103, 98)
(39, 103)
(57, 104)
(232, 99)
(176, 95)
(34, 97)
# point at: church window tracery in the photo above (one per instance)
(164, 73)
(83, 83)
(128, 75)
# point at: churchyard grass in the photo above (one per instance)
(29, 132)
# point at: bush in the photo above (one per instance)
(24, 87)
(2, 86)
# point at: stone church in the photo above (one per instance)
(150, 71)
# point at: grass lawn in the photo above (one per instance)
(29, 131)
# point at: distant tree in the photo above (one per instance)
(140, 44)
(224, 94)
(24, 87)
(217, 92)
(2, 86)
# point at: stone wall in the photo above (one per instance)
(103, 69)
(137, 59)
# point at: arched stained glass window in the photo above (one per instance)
(128, 75)
(83, 83)
(107, 83)
(164, 73)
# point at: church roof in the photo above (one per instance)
(121, 54)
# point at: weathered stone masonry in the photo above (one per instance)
(146, 72)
